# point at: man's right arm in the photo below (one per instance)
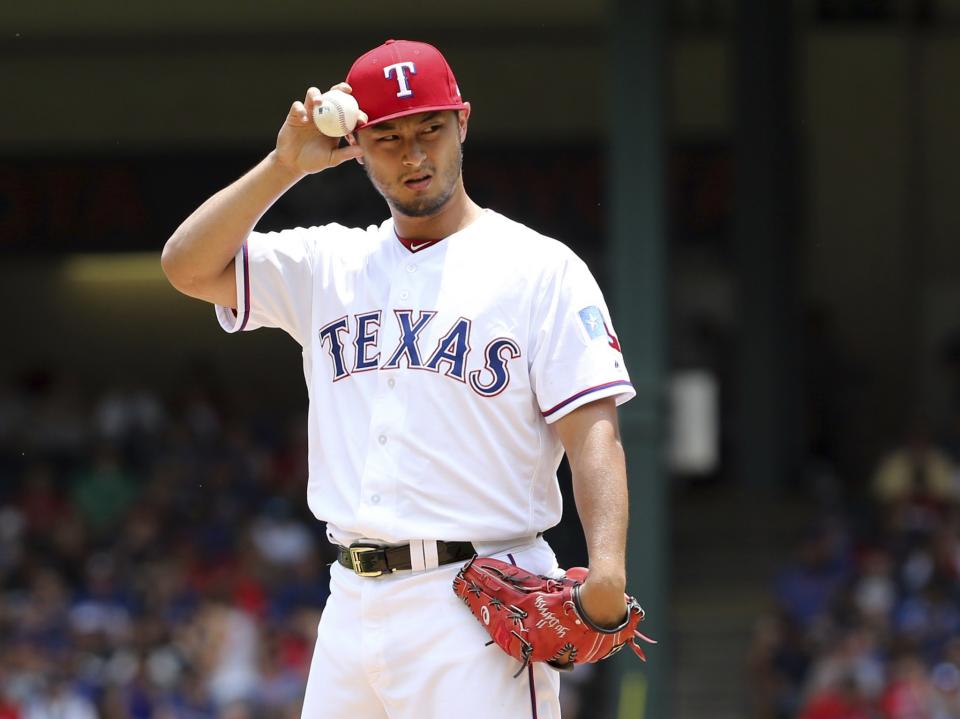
(198, 259)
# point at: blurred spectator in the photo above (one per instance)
(305, 585)
(189, 700)
(223, 646)
(875, 591)
(40, 614)
(42, 504)
(838, 700)
(60, 701)
(853, 660)
(279, 537)
(103, 607)
(123, 414)
(915, 482)
(909, 694)
(103, 494)
(928, 619)
(945, 702)
(806, 588)
(779, 660)
(280, 687)
(8, 708)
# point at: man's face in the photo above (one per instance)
(415, 161)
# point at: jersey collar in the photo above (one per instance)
(416, 245)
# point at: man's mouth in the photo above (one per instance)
(419, 182)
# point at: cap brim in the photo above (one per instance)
(411, 111)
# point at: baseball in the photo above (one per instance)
(337, 114)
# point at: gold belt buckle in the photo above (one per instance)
(355, 553)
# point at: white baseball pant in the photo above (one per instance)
(403, 646)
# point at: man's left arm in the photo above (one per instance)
(591, 437)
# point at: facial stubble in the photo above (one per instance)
(428, 205)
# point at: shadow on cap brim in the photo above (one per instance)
(411, 111)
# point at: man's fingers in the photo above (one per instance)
(342, 154)
(362, 117)
(298, 113)
(312, 98)
(563, 658)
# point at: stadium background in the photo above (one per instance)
(155, 555)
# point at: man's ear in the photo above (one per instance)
(352, 140)
(463, 116)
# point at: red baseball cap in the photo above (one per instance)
(403, 77)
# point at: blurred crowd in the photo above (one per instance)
(156, 558)
(867, 620)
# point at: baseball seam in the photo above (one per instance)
(340, 115)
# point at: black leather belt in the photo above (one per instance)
(370, 560)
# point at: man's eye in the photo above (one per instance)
(386, 138)
(432, 128)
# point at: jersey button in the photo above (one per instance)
(391, 383)
(382, 439)
(404, 295)
(411, 268)
(375, 499)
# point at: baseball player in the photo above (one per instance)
(451, 357)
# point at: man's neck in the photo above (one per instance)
(459, 212)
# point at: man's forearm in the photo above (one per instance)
(208, 239)
(600, 489)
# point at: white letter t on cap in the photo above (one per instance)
(399, 67)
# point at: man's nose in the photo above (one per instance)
(414, 155)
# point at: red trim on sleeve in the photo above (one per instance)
(246, 288)
(578, 395)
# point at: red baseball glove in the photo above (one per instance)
(539, 619)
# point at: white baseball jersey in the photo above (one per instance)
(434, 372)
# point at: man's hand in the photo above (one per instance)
(302, 148)
(539, 619)
(198, 259)
(602, 600)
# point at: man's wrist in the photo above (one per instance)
(283, 171)
(608, 576)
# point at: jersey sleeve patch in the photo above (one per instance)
(593, 322)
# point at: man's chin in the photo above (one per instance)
(422, 208)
